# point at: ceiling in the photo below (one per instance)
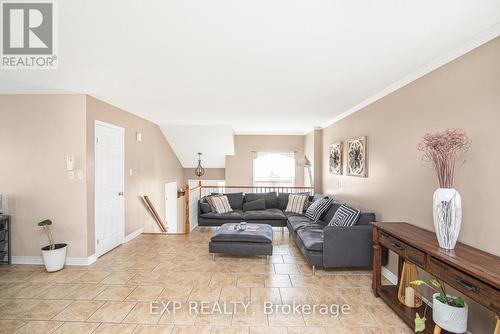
(214, 142)
(262, 66)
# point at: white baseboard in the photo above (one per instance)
(70, 261)
(133, 235)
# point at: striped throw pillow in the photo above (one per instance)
(296, 203)
(219, 204)
(345, 216)
(317, 208)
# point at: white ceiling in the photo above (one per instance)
(258, 66)
(214, 142)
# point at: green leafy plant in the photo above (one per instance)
(440, 287)
(45, 224)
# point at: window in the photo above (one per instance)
(274, 169)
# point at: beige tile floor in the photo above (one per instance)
(114, 295)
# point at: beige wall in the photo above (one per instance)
(152, 161)
(38, 131)
(239, 165)
(210, 174)
(462, 94)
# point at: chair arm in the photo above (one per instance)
(350, 246)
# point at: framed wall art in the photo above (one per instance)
(335, 158)
(356, 157)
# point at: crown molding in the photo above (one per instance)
(480, 39)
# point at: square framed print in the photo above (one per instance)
(335, 157)
(356, 157)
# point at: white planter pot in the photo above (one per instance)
(450, 318)
(54, 259)
(447, 214)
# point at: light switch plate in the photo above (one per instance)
(71, 175)
(130, 172)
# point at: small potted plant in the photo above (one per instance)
(448, 312)
(53, 255)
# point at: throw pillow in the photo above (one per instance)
(296, 203)
(219, 204)
(317, 208)
(345, 216)
(258, 204)
(209, 201)
(284, 197)
(205, 207)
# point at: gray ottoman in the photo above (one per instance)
(256, 240)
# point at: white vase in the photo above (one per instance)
(54, 258)
(450, 318)
(447, 213)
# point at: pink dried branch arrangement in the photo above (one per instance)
(442, 149)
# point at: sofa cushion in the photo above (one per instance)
(317, 208)
(328, 215)
(297, 203)
(267, 214)
(271, 199)
(345, 216)
(283, 199)
(366, 218)
(205, 207)
(311, 238)
(317, 197)
(258, 204)
(233, 215)
(298, 224)
(235, 200)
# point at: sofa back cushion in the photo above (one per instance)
(366, 218)
(235, 200)
(271, 198)
(328, 215)
(258, 204)
(317, 197)
(204, 206)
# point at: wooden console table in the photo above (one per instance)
(473, 272)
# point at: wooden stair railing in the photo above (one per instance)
(154, 213)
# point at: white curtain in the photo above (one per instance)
(274, 168)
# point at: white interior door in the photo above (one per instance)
(109, 186)
(171, 207)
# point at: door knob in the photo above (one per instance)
(120, 193)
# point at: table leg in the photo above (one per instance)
(377, 263)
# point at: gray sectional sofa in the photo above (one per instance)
(322, 245)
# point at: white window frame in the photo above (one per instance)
(270, 182)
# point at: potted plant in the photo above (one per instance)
(448, 312)
(53, 255)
